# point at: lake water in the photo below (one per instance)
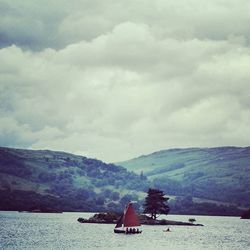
(62, 231)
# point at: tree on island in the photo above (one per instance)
(191, 220)
(155, 203)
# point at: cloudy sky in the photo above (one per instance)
(115, 79)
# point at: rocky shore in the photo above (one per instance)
(111, 218)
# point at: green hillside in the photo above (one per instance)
(48, 180)
(42, 179)
(221, 174)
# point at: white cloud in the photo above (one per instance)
(112, 81)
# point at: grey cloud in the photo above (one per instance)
(114, 82)
(56, 24)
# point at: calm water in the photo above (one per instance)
(62, 231)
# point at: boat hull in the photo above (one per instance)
(117, 231)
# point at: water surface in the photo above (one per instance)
(62, 231)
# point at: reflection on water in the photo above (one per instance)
(62, 231)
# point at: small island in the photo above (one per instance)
(155, 203)
(112, 218)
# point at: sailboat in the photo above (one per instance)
(128, 223)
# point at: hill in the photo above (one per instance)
(219, 174)
(43, 179)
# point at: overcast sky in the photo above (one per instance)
(113, 80)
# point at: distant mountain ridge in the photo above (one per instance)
(220, 173)
(31, 179)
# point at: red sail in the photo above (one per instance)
(130, 218)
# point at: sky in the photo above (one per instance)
(114, 80)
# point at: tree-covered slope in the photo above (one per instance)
(42, 179)
(221, 174)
